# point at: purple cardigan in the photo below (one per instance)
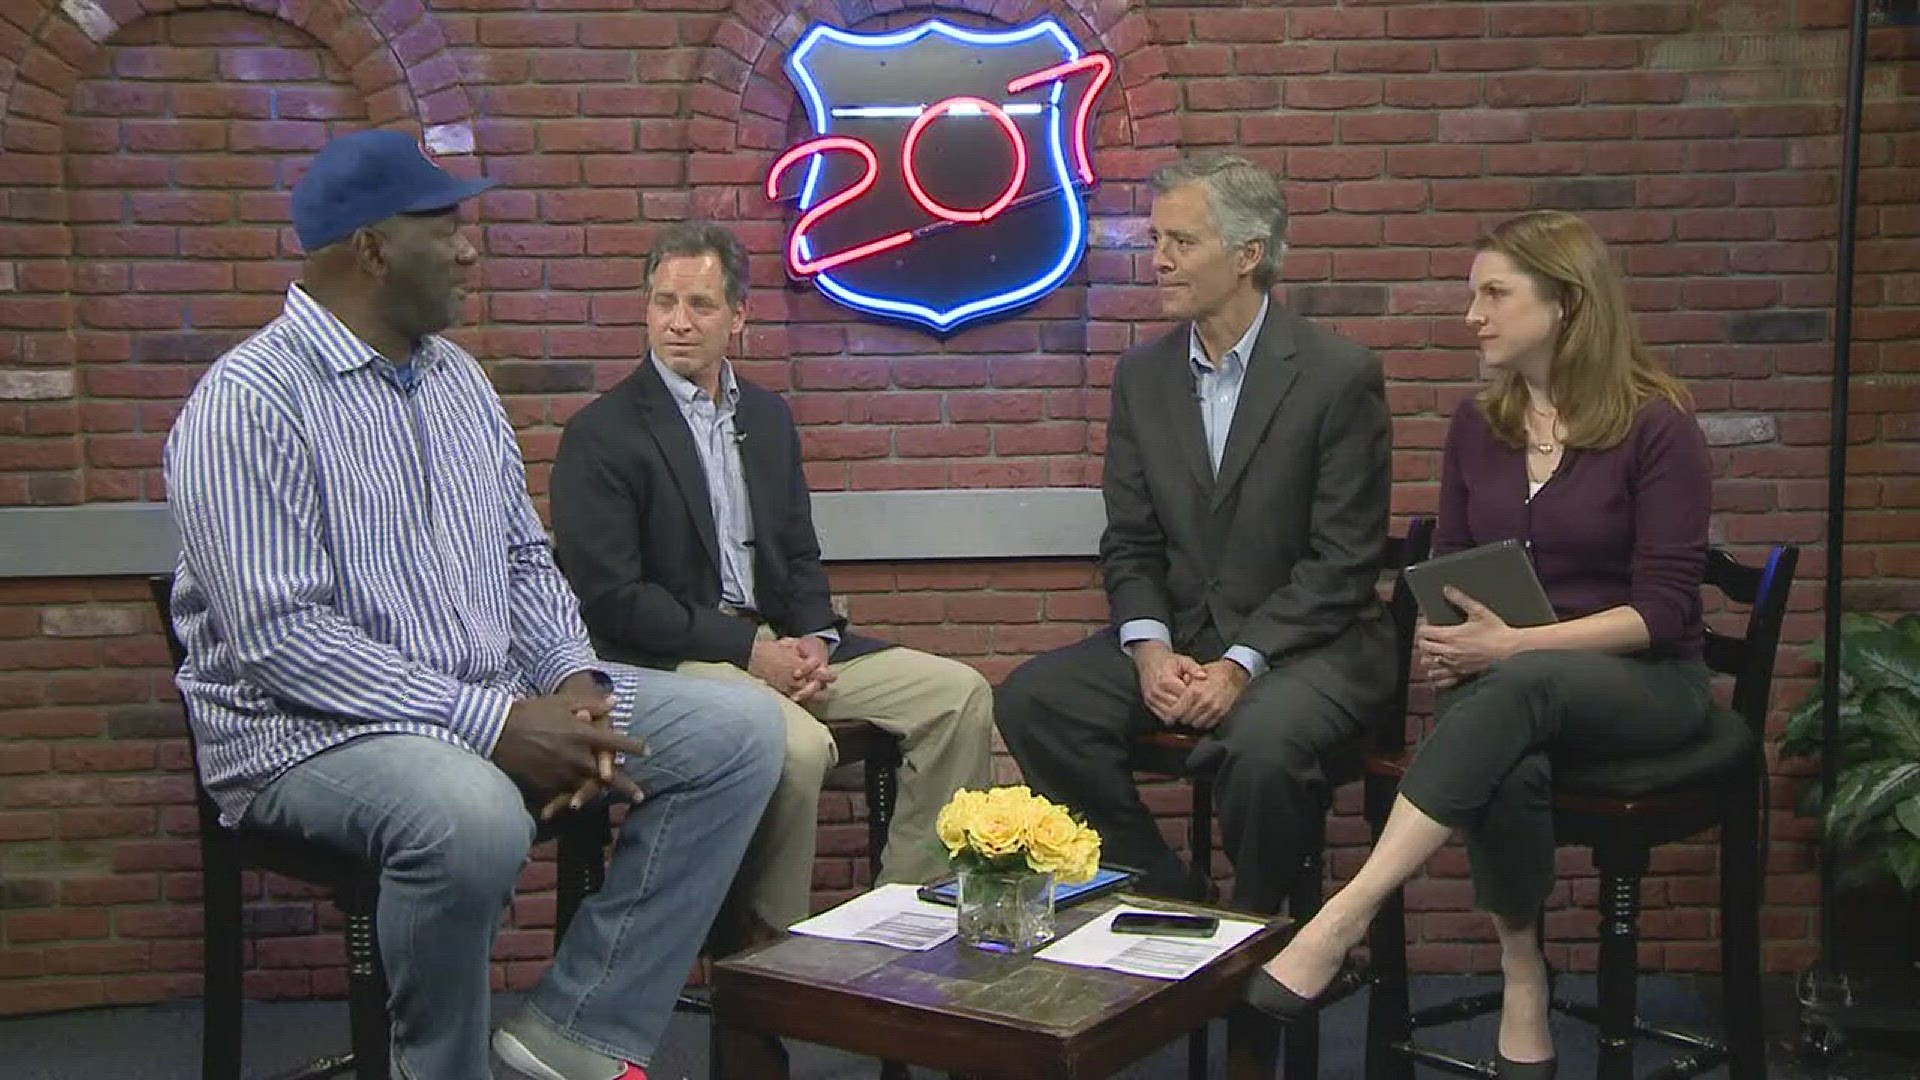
(1611, 527)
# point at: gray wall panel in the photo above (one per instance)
(115, 539)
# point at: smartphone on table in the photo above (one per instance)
(1165, 924)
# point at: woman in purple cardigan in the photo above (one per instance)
(1582, 446)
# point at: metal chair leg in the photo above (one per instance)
(1389, 1004)
(1302, 1054)
(883, 785)
(1740, 885)
(1620, 873)
(582, 864)
(1200, 826)
(372, 1027)
(1200, 849)
(222, 943)
(883, 779)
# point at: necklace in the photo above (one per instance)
(1552, 442)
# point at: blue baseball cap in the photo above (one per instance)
(369, 176)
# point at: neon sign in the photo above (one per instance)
(946, 176)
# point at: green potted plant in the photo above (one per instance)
(1872, 826)
(1873, 821)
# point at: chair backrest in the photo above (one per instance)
(161, 586)
(1749, 658)
(1390, 735)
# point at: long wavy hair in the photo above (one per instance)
(1600, 373)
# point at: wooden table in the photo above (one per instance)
(978, 1014)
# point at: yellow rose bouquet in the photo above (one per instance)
(1011, 828)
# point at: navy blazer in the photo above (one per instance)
(636, 538)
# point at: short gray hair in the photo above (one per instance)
(690, 239)
(1247, 203)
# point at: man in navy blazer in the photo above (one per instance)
(684, 522)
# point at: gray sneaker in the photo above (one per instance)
(532, 1048)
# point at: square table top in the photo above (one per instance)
(959, 1008)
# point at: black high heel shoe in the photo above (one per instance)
(1271, 996)
(1505, 1069)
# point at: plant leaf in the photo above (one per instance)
(1904, 860)
(1908, 815)
(1881, 656)
(1804, 737)
(1893, 716)
(1867, 792)
(1803, 725)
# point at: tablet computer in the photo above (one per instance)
(1498, 575)
(1105, 880)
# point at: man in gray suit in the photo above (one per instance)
(1247, 482)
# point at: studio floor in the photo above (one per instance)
(160, 1042)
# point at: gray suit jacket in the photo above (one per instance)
(1282, 551)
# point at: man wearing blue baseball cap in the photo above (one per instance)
(381, 655)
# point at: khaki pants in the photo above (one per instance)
(943, 712)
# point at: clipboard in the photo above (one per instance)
(1498, 575)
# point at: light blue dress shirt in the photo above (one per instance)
(717, 441)
(1217, 387)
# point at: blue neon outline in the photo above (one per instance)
(822, 118)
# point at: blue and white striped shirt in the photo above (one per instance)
(358, 555)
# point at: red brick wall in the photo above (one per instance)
(148, 150)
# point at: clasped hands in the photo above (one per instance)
(1448, 654)
(796, 667)
(1180, 690)
(564, 744)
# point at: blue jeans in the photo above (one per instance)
(451, 833)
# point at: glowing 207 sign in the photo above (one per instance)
(946, 176)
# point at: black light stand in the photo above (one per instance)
(1837, 460)
(1832, 1003)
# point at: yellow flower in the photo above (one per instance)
(951, 825)
(1086, 856)
(1050, 836)
(1007, 821)
(1010, 798)
(996, 831)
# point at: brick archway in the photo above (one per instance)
(95, 341)
(395, 53)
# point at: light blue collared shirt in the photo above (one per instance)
(1217, 386)
(716, 439)
(711, 423)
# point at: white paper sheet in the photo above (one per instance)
(1096, 945)
(889, 915)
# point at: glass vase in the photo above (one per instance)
(1005, 910)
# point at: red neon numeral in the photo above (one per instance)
(939, 209)
(826, 144)
(1102, 66)
(1099, 63)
